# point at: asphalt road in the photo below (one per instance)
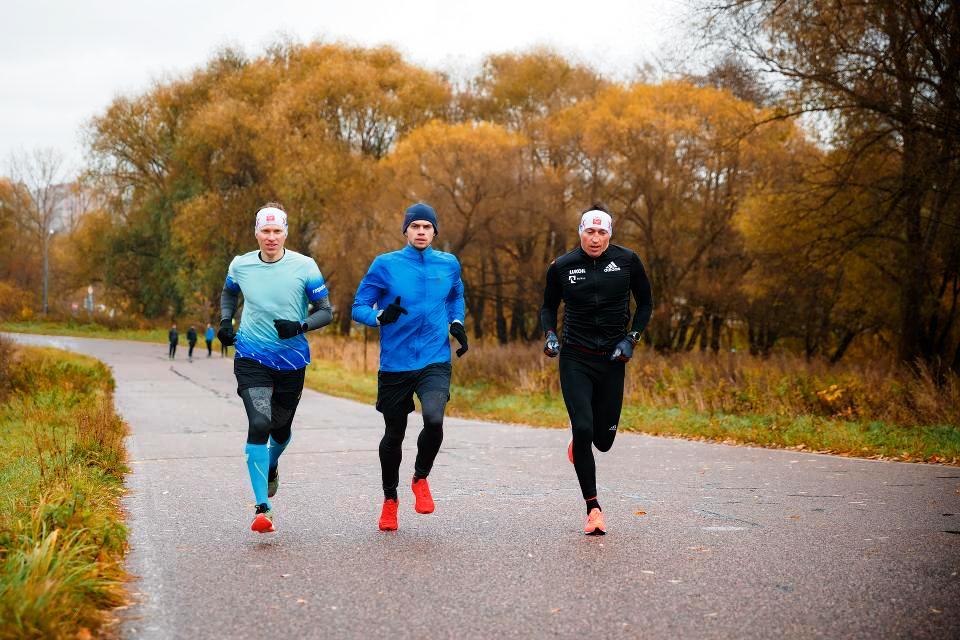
(705, 541)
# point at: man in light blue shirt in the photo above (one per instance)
(414, 296)
(272, 352)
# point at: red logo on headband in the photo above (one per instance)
(598, 221)
(270, 217)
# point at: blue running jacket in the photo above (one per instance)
(430, 289)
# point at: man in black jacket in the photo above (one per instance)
(173, 338)
(191, 342)
(594, 281)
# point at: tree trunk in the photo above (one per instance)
(845, 342)
(698, 331)
(680, 340)
(716, 325)
(498, 303)
(478, 301)
(518, 320)
(658, 331)
(345, 310)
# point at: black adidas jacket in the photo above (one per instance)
(596, 297)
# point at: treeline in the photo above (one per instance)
(755, 234)
(347, 137)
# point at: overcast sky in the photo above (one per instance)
(62, 62)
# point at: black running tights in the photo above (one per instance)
(428, 443)
(593, 393)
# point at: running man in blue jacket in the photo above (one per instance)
(415, 296)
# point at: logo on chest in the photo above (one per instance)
(611, 267)
(576, 275)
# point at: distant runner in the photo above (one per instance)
(191, 342)
(173, 338)
(208, 336)
(272, 352)
(415, 296)
(594, 282)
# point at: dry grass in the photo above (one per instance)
(729, 383)
(62, 466)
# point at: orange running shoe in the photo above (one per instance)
(421, 491)
(388, 516)
(595, 525)
(263, 520)
(570, 451)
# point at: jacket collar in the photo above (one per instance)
(410, 252)
(587, 256)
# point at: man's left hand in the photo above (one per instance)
(623, 351)
(458, 332)
(288, 328)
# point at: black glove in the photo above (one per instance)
(624, 349)
(551, 348)
(391, 313)
(288, 328)
(226, 334)
(458, 332)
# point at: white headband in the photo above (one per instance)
(596, 219)
(271, 216)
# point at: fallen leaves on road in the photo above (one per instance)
(639, 513)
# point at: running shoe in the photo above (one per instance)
(388, 516)
(570, 451)
(263, 521)
(421, 491)
(273, 482)
(595, 525)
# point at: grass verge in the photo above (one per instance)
(61, 465)
(874, 439)
(90, 330)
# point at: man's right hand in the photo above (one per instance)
(391, 313)
(226, 334)
(552, 346)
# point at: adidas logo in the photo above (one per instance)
(614, 427)
(611, 267)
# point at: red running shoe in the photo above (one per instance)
(388, 516)
(595, 525)
(262, 520)
(421, 491)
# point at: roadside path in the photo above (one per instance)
(734, 542)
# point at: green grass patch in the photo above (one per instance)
(92, 330)
(875, 439)
(62, 538)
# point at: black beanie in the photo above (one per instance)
(420, 211)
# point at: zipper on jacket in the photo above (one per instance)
(596, 304)
(423, 296)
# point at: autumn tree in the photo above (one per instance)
(885, 75)
(674, 161)
(471, 174)
(36, 197)
(191, 160)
